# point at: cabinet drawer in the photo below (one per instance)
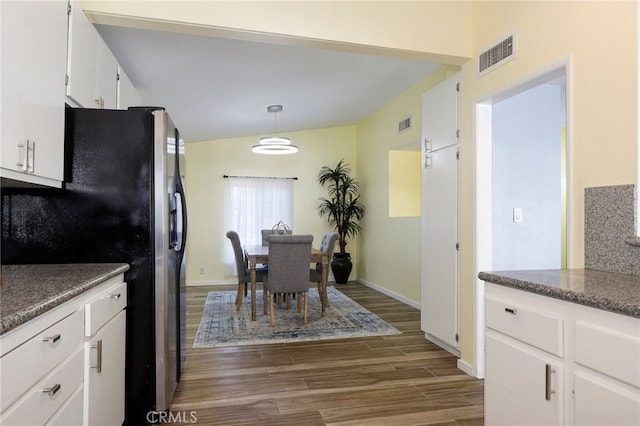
(539, 329)
(104, 307)
(37, 406)
(29, 362)
(621, 358)
(70, 414)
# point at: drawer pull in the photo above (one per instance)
(98, 365)
(52, 390)
(547, 382)
(114, 296)
(512, 311)
(51, 339)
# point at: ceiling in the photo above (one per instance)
(216, 87)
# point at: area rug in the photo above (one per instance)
(221, 325)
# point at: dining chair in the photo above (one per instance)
(315, 275)
(266, 233)
(242, 266)
(289, 259)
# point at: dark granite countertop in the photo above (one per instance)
(608, 291)
(27, 291)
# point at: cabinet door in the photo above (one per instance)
(440, 114)
(104, 374)
(439, 257)
(107, 77)
(127, 93)
(518, 389)
(33, 57)
(439, 304)
(82, 58)
(601, 401)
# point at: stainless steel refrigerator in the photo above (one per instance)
(122, 201)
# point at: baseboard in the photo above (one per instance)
(389, 293)
(207, 283)
(466, 368)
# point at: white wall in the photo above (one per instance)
(526, 175)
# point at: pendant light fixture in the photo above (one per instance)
(274, 144)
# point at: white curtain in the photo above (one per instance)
(253, 204)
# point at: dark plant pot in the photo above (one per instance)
(341, 267)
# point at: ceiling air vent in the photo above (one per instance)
(497, 54)
(404, 124)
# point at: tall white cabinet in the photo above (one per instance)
(439, 263)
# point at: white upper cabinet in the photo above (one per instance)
(440, 114)
(107, 77)
(92, 69)
(33, 37)
(127, 93)
(82, 59)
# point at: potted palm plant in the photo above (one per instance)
(343, 211)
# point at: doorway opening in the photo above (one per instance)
(521, 182)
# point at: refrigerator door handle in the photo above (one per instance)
(179, 221)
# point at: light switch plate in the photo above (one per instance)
(517, 214)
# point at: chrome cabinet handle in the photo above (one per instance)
(22, 157)
(26, 156)
(114, 296)
(52, 390)
(512, 311)
(52, 339)
(98, 364)
(548, 370)
(31, 156)
(427, 145)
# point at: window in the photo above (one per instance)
(253, 204)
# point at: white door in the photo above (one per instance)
(439, 264)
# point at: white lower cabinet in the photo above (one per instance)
(552, 362)
(600, 401)
(66, 367)
(70, 414)
(104, 374)
(521, 385)
(104, 357)
(45, 398)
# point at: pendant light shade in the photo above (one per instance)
(274, 145)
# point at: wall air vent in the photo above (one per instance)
(404, 124)
(496, 55)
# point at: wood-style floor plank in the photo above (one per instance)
(380, 380)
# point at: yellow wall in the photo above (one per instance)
(405, 183)
(600, 39)
(208, 161)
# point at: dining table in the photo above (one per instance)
(259, 254)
